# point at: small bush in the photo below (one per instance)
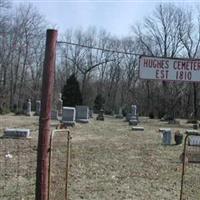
(99, 102)
(192, 121)
(160, 114)
(71, 93)
(151, 115)
(108, 112)
(4, 111)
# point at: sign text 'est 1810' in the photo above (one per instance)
(169, 69)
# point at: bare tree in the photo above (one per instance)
(189, 31)
(159, 36)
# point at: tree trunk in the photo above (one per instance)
(195, 109)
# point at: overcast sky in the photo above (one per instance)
(115, 16)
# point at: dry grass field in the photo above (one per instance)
(109, 161)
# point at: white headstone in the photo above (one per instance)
(164, 129)
(128, 116)
(194, 140)
(38, 107)
(60, 105)
(133, 122)
(54, 114)
(69, 115)
(134, 110)
(16, 133)
(28, 107)
(137, 128)
(167, 137)
(91, 113)
(120, 115)
(120, 111)
(82, 113)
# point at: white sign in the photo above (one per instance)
(169, 69)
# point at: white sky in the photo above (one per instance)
(115, 16)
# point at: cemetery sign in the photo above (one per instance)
(169, 69)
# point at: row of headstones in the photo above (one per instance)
(38, 106)
(70, 115)
(166, 134)
(28, 110)
(131, 117)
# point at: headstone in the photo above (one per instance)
(134, 110)
(173, 121)
(38, 107)
(164, 129)
(120, 111)
(120, 116)
(16, 133)
(161, 130)
(28, 107)
(24, 107)
(192, 131)
(82, 114)
(54, 114)
(133, 115)
(128, 116)
(60, 105)
(69, 115)
(137, 128)
(133, 122)
(194, 140)
(91, 113)
(195, 126)
(167, 137)
(100, 115)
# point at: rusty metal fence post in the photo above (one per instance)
(45, 117)
(190, 156)
(67, 161)
(183, 166)
(67, 165)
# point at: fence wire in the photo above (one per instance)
(59, 167)
(191, 177)
(18, 160)
(17, 169)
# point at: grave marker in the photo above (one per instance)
(100, 115)
(38, 106)
(54, 114)
(16, 133)
(91, 113)
(134, 110)
(82, 114)
(167, 137)
(133, 115)
(133, 122)
(28, 112)
(137, 128)
(60, 105)
(69, 115)
(120, 116)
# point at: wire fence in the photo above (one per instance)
(18, 160)
(59, 165)
(17, 168)
(191, 170)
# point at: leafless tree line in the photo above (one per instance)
(170, 31)
(22, 37)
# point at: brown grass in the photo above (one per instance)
(109, 161)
